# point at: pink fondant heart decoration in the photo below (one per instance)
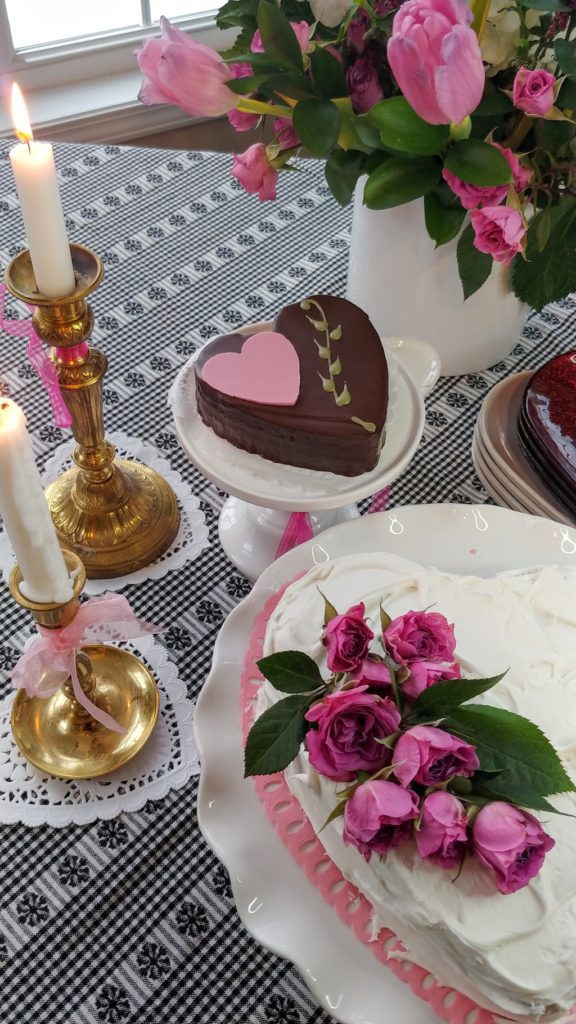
(266, 370)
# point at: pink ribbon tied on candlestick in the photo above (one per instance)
(51, 658)
(38, 358)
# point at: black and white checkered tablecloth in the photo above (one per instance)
(131, 921)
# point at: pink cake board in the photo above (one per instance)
(297, 833)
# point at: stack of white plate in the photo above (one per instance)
(499, 460)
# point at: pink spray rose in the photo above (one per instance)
(238, 119)
(350, 723)
(533, 91)
(378, 816)
(372, 673)
(511, 842)
(284, 130)
(442, 836)
(181, 71)
(472, 196)
(429, 755)
(363, 84)
(254, 171)
(347, 638)
(302, 30)
(420, 636)
(498, 231)
(436, 59)
(426, 673)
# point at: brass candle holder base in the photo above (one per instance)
(56, 734)
(118, 516)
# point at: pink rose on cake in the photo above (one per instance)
(349, 724)
(347, 638)
(511, 842)
(429, 756)
(373, 673)
(426, 673)
(442, 836)
(420, 636)
(379, 816)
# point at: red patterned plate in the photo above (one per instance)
(550, 414)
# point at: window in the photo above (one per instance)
(76, 61)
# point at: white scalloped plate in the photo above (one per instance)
(277, 903)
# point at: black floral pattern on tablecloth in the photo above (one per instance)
(32, 908)
(160, 363)
(192, 920)
(73, 870)
(112, 834)
(153, 961)
(177, 638)
(8, 658)
(476, 382)
(209, 611)
(3, 949)
(110, 397)
(456, 400)
(221, 883)
(238, 586)
(51, 434)
(134, 379)
(436, 418)
(166, 441)
(113, 1004)
(281, 1010)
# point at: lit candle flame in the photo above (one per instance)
(20, 116)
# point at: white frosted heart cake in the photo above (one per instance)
(430, 785)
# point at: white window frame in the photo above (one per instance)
(75, 87)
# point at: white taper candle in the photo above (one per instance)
(37, 187)
(25, 512)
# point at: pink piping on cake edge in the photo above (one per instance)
(297, 833)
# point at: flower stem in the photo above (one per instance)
(250, 106)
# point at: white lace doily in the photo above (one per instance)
(191, 539)
(167, 761)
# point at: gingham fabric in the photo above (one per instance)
(132, 921)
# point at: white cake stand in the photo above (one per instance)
(265, 493)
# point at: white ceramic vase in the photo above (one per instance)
(409, 288)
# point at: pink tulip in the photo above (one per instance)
(186, 73)
(533, 91)
(436, 59)
(498, 231)
(255, 173)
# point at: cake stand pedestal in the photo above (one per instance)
(265, 493)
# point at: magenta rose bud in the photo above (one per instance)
(285, 134)
(379, 816)
(498, 231)
(442, 836)
(426, 673)
(363, 84)
(372, 673)
(182, 71)
(533, 91)
(356, 31)
(429, 756)
(347, 638)
(239, 120)
(420, 636)
(510, 842)
(435, 58)
(350, 723)
(254, 172)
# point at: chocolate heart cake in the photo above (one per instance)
(549, 419)
(311, 392)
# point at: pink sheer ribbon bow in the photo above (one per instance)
(51, 658)
(38, 358)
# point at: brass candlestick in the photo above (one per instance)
(57, 734)
(117, 515)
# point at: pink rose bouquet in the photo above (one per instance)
(433, 99)
(410, 759)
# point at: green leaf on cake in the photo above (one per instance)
(441, 699)
(474, 267)
(498, 786)
(275, 738)
(291, 672)
(506, 742)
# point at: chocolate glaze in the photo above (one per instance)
(549, 418)
(315, 433)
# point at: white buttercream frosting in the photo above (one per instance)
(513, 954)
